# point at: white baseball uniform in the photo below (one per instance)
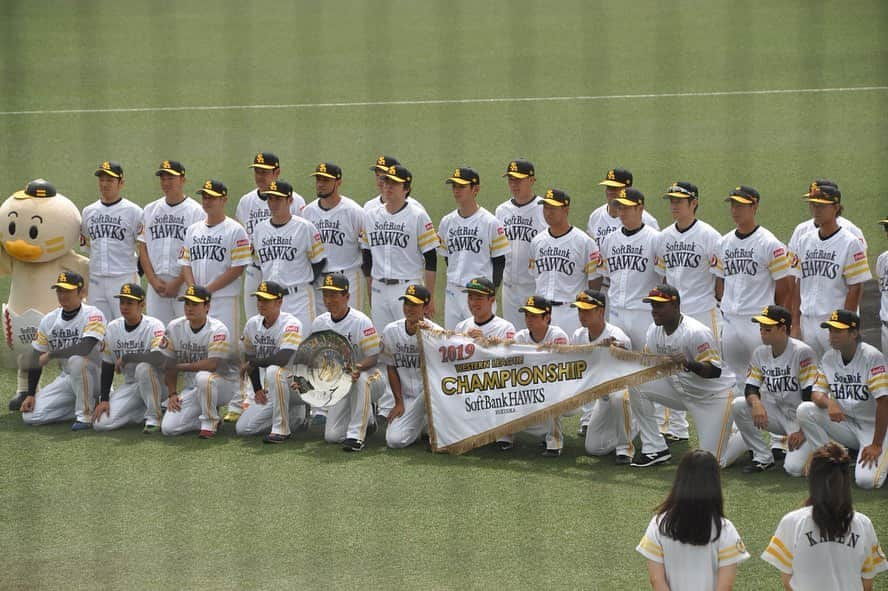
(707, 399)
(827, 268)
(340, 229)
(689, 566)
(143, 391)
(400, 351)
(397, 243)
(496, 327)
(377, 203)
(562, 267)
(350, 417)
(204, 391)
(163, 232)
(750, 265)
(601, 224)
(261, 341)
(855, 386)
(108, 236)
(73, 394)
(521, 224)
(285, 254)
(882, 274)
(808, 226)
(469, 245)
(251, 210)
(815, 561)
(780, 381)
(610, 426)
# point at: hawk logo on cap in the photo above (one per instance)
(623, 194)
(765, 311)
(529, 301)
(126, 290)
(834, 316)
(322, 167)
(208, 185)
(260, 159)
(63, 278)
(165, 164)
(392, 170)
(456, 173)
(328, 280)
(813, 188)
(190, 290)
(106, 166)
(273, 186)
(513, 166)
(737, 189)
(381, 161)
(263, 287)
(411, 290)
(549, 194)
(611, 176)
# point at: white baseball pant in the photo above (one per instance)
(134, 402)
(514, 296)
(301, 305)
(782, 420)
(252, 279)
(739, 338)
(161, 307)
(102, 290)
(456, 306)
(385, 307)
(853, 433)
(563, 316)
(611, 426)
(282, 411)
(550, 430)
(350, 417)
(199, 404)
(815, 337)
(72, 395)
(406, 429)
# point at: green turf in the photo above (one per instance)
(128, 511)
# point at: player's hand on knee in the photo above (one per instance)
(836, 414)
(103, 407)
(759, 415)
(27, 404)
(261, 396)
(173, 403)
(869, 455)
(795, 440)
(397, 411)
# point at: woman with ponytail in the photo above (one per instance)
(826, 544)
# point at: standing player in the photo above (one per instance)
(288, 251)
(704, 387)
(252, 209)
(833, 267)
(472, 242)
(72, 333)
(882, 274)
(752, 271)
(160, 240)
(483, 322)
(270, 339)
(340, 223)
(781, 375)
(606, 425)
(400, 354)
(108, 235)
(400, 247)
(850, 399)
(605, 220)
(563, 260)
(350, 421)
(133, 347)
(201, 349)
(809, 225)
(522, 219)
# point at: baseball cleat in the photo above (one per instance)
(551, 453)
(81, 426)
(371, 429)
(651, 459)
(779, 454)
(622, 460)
(275, 438)
(352, 445)
(757, 467)
(151, 429)
(231, 416)
(206, 434)
(504, 446)
(670, 438)
(16, 402)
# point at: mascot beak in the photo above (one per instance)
(22, 250)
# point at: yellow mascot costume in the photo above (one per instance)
(39, 229)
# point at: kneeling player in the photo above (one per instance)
(269, 340)
(780, 376)
(400, 353)
(350, 419)
(134, 347)
(850, 399)
(202, 350)
(70, 334)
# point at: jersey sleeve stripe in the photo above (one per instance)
(779, 551)
(651, 547)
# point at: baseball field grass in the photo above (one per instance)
(770, 94)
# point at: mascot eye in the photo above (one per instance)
(12, 228)
(33, 232)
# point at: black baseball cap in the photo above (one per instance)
(277, 189)
(399, 174)
(536, 305)
(520, 169)
(327, 170)
(617, 177)
(556, 197)
(842, 319)
(630, 196)
(662, 294)
(68, 280)
(213, 188)
(270, 290)
(814, 187)
(589, 299)
(335, 282)
(481, 285)
(416, 294)
(173, 167)
(464, 176)
(196, 293)
(110, 168)
(383, 163)
(266, 161)
(884, 221)
(131, 291)
(744, 194)
(36, 188)
(682, 190)
(826, 194)
(773, 316)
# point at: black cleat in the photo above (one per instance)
(352, 445)
(16, 402)
(756, 467)
(651, 459)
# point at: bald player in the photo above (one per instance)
(522, 219)
(605, 220)
(472, 242)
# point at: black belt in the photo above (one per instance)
(392, 281)
(558, 303)
(291, 290)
